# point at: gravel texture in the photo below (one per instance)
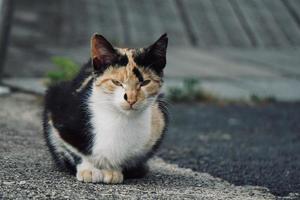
(27, 171)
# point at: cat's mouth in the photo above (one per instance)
(136, 107)
(129, 111)
(129, 108)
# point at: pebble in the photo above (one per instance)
(8, 182)
(22, 182)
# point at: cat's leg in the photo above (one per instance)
(86, 172)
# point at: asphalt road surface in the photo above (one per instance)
(243, 144)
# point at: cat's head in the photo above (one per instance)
(128, 79)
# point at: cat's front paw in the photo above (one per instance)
(100, 176)
(90, 175)
(112, 176)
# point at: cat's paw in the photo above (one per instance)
(112, 176)
(99, 176)
(90, 175)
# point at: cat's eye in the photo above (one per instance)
(145, 82)
(117, 83)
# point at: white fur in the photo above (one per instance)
(118, 134)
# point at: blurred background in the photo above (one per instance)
(238, 48)
(240, 58)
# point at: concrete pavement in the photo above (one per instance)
(227, 74)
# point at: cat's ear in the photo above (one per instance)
(102, 52)
(159, 48)
(157, 52)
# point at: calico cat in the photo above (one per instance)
(107, 122)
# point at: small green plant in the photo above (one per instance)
(256, 99)
(175, 94)
(190, 91)
(66, 70)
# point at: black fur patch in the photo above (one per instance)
(147, 59)
(154, 56)
(119, 61)
(135, 172)
(69, 116)
(68, 111)
(123, 60)
(138, 74)
(62, 162)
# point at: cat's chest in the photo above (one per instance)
(118, 137)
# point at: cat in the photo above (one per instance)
(105, 124)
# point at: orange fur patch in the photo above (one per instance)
(157, 126)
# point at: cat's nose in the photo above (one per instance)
(131, 101)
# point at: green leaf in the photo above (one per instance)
(66, 70)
